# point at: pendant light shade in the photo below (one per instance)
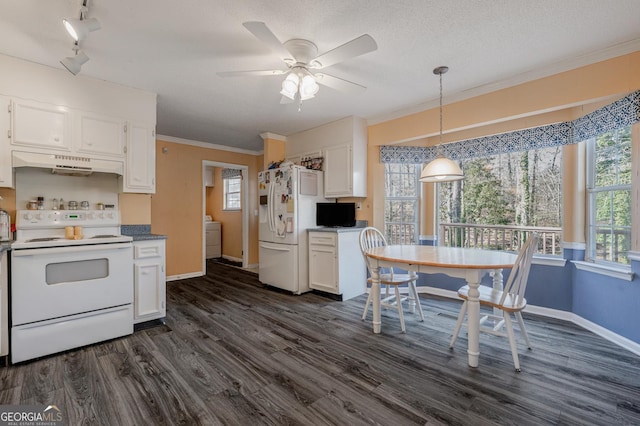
(441, 169)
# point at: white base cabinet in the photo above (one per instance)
(150, 287)
(335, 263)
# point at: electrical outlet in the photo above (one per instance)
(358, 205)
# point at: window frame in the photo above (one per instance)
(591, 197)
(225, 192)
(415, 199)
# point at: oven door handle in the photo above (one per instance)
(70, 249)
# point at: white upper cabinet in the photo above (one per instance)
(140, 167)
(6, 172)
(343, 144)
(208, 176)
(40, 125)
(338, 179)
(102, 135)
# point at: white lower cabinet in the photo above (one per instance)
(150, 287)
(335, 263)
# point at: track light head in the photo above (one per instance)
(74, 63)
(79, 28)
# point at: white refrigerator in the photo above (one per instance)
(287, 208)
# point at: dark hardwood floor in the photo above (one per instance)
(233, 352)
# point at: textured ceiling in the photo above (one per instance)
(175, 48)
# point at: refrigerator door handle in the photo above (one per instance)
(275, 248)
(272, 206)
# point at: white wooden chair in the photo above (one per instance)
(510, 300)
(371, 237)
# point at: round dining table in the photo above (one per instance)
(466, 263)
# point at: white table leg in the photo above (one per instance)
(375, 296)
(473, 319)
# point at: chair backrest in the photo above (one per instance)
(517, 282)
(370, 237)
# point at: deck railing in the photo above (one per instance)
(499, 237)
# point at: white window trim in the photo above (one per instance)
(613, 270)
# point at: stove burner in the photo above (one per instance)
(104, 236)
(38, 240)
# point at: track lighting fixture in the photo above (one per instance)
(74, 63)
(78, 30)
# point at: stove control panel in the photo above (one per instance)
(26, 219)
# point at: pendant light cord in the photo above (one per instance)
(440, 109)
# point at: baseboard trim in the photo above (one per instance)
(231, 258)
(609, 335)
(184, 276)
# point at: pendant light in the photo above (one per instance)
(441, 169)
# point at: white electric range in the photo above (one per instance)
(69, 292)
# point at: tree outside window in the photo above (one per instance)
(504, 197)
(609, 193)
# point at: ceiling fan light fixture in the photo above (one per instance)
(290, 85)
(79, 28)
(308, 87)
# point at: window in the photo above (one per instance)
(402, 192)
(609, 196)
(502, 199)
(232, 186)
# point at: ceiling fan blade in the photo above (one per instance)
(339, 84)
(250, 73)
(356, 47)
(285, 100)
(264, 34)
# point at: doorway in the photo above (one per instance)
(244, 208)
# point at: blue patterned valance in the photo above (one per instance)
(623, 112)
(231, 173)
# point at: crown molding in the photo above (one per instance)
(207, 145)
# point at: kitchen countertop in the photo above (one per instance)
(140, 232)
(337, 229)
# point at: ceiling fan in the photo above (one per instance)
(302, 59)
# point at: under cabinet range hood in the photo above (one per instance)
(66, 164)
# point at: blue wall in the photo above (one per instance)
(609, 302)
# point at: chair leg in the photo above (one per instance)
(412, 288)
(366, 307)
(386, 293)
(512, 341)
(399, 305)
(463, 312)
(522, 329)
(411, 299)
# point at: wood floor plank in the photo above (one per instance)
(236, 352)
